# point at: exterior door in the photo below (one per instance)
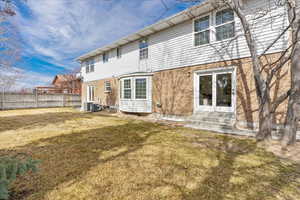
(215, 90)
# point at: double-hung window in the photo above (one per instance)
(119, 52)
(107, 86)
(92, 65)
(105, 57)
(127, 89)
(202, 32)
(225, 26)
(89, 66)
(143, 45)
(91, 93)
(141, 88)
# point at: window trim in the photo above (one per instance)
(107, 86)
(89, 63)
(208, 29)
(144, 49)
(213, 25)
(219, 25)
(124, 88)
(119, 52)
(92, 63)
(105, 57)
(135, 88)
(89, 97)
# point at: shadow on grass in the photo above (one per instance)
(259, 182)
(29, 121)
(70, 157)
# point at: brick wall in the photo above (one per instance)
(173, 90)
(101, 96)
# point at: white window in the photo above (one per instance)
(90, 65)
(225, 27)
(202, 32)
(107, 86)
(141, 88)
(91, 93)
(127, 89)
(87, 67)
(119, 52)
(143, 45)
(105, 57)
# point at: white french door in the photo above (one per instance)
(215, 90)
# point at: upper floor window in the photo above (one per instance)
(141, 88)
(105, 57)
(90, 66)
(143, 45)
(127, 89)
(119, 52)
(202, 32)
(225, 24)
(107, 86)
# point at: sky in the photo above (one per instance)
(53, 33)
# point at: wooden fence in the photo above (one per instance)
(34, 100)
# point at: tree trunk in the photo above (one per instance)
(265, 120)
(293, 113)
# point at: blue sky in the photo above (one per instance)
(55, 32)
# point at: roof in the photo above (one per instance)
(178, 18)
(65, 77)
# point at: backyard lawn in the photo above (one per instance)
(93, 156)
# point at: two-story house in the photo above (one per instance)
(192, 66)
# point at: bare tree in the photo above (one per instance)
(9, 48)
(293, 113)
(264, 74)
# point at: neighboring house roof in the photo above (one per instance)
(178, 18)
(64, 78)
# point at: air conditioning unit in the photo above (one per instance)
(88, 107)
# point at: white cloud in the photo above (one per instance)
(32, 79)
(61, 29)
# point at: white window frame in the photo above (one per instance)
(89, 64)
(119, 52)
(214, 72)
(105, 57)
(135, 88)
(107, 86)
(92, 64)
(144, 49)
(212, 27)
(123, 89)
(230, 22)
(208, 29)
(91, 93)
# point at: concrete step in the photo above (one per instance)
(220, 129)
(214, 114)
(212, 119)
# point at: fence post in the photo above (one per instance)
(36, 99)
(64, 100)
(2, 99)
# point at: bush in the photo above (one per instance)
(11, 168)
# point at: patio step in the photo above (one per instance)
(217, 122)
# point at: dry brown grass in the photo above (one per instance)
(91, 156)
